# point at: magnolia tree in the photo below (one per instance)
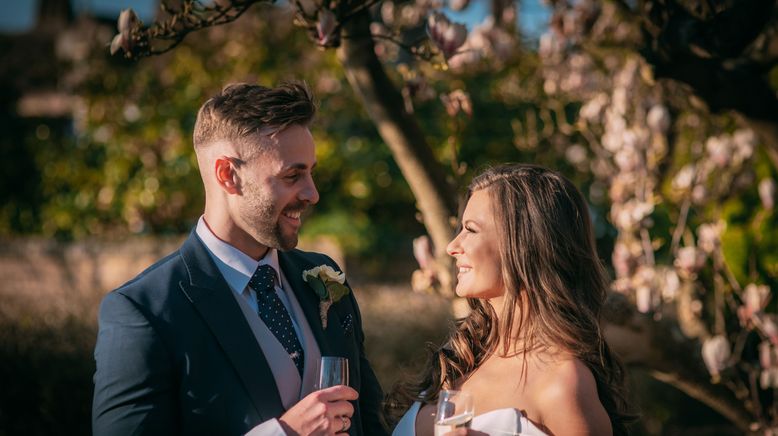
(666, 105)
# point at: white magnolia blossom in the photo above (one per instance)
(658, 119)
(709, 236)
(767, 193)
(684, 179)
(670, 283)
(593, 109)
(745, 142)
(716, 353)
(719, 150)
(755, 297)
(689, 260)
(628, 215)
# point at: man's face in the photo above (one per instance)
(277, 186)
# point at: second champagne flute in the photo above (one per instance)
(455, 410)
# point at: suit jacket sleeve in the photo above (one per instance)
(371, 395)
(134, 391)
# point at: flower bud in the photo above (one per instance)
(325, 26)
(767, 193)
(127, 20)
(715, 354)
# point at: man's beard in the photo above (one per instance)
(263, 219)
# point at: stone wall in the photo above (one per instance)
(57, 279)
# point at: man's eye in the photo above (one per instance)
(470, 229)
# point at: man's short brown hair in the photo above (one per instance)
(242, 110)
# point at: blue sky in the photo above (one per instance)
(19, 15)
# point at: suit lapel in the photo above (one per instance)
(213, 299)
(331, 341)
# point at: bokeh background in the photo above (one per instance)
(664, 113)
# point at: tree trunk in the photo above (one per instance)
(384, 104)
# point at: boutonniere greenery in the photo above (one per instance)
(328, 285)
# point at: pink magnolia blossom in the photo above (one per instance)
(768, 355)
(446, 35)
(457, 101)
(325, 27)
(755, 298)
(126, 23)
(766, 323)
(127, 20)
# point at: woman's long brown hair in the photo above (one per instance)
(555, 289)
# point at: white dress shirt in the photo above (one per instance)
(237, 268)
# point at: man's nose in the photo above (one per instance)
(309, 193)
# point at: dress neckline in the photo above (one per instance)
(525, 425)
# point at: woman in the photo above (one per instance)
(531, 351)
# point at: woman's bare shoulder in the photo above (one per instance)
(566, 398)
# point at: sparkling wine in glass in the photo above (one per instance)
(455, 410)
(333, 371)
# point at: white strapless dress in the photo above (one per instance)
(500, 422)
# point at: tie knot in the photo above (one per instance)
(263, 279)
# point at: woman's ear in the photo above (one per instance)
(227, 175)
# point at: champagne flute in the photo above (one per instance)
(455, 410)
(333, 371)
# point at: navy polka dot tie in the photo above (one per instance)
(274, 314)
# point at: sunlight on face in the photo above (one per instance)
(278, 186)
(475, 248)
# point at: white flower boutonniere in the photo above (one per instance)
(328, 285)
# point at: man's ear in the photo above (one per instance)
(226, 175)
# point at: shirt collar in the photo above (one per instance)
(236, 266)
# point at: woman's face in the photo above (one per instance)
(475, 248)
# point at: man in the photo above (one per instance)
(224, 335)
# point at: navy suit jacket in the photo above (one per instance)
(175, 354)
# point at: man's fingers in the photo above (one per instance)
(338, 393)
(341, 408)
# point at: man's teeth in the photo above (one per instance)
(293, 215)
(464, 269)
